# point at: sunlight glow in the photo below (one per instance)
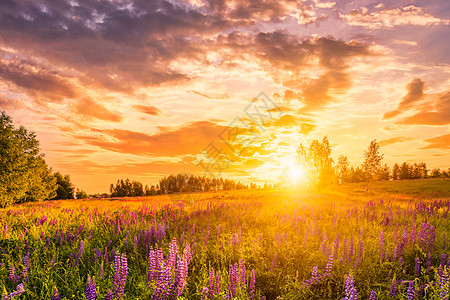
(296, 174)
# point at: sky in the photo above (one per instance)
(144, 89)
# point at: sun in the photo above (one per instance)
(296, 174)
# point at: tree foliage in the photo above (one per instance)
(80, 194)
(372, 161)
(24, 175)
(65, 188)
(316, 160)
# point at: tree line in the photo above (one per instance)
(24, 174)
(179, 183)
(321, 170)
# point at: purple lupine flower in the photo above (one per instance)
(443, 259)
(205, 292)
(26, 266)
(429, 260)
(444, 241)
(109, 295)
(344, 250)
(55, 295)
(350, 291)
(274, 261)
(126, 238)
(393, 288)
(417, 268)
(101, 271)
(90, 288)
(410, 291)
(135, 243)
(233, 279)
(212, 279)
(444, 286)
(251, 293)
(329, 266)
(12, 276)
(153, 266)
(373, 295)
(19, 290)
(352, 249)
(172, 254)
(242, 272)
(120, 275)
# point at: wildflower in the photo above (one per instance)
(350, 291)
(55, 295)
(417, 268)
(443, 284)
(251, 294)
(101, 271)
(393, 288)
(109, 295)
(120, 275)
(373, 295)
(274, 261)
(90, 288)
(410, 291)
(19, 290)
(330, 261)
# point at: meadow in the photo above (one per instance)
(383, 241)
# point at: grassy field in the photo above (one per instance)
(388, 239)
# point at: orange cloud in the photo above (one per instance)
(415, 93)
(440, 142)
(438, 113)
(89, 108)
(389, 18)
(394, 140)
(190, 139)
(148, 109)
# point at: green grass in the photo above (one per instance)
(423, 188)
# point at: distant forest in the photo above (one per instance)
(180, 183)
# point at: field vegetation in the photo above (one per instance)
(390, 241)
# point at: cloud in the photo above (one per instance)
(286, 57)
(389, 18)
(440, 142)
(148, 109)
(394, 140)
(306, 128)
(89, 108)
(37, 82)
(123, 47)
(415, 93)
(189, 139)
(437, 113)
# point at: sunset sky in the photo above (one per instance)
(137, 89)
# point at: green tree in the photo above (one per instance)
(384, 173)
(81, 194)
(24, 175)
(405, 171)
(395, 172)
(342, 169)
(317, 161)
(65, 189)
(42, 184)
(372, 161)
